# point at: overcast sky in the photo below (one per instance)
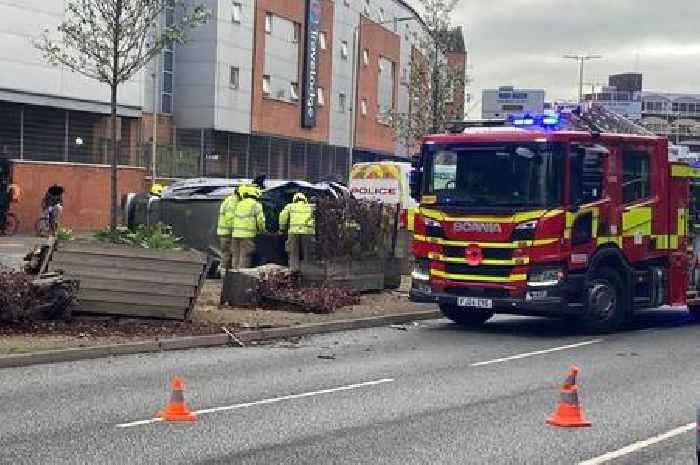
(520, 43)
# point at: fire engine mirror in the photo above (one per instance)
(415, 179)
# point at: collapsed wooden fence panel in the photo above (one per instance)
(127, 281)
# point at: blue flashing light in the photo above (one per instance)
(548, 120)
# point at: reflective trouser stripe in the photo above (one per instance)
(178, 396)
(569, 397)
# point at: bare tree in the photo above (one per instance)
(433, 81)
(111, 40)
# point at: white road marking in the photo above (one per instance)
(538, 352)
(267, 401)
(638, 445)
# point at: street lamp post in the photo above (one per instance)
(355, 79)
(581, 59)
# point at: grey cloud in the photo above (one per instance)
(520, 42)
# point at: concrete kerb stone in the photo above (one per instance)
(210, 340)
(80, 353)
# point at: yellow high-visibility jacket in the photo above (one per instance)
(226, 211)
(248, 219)
(298, 217)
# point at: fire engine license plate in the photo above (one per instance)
(474, 302)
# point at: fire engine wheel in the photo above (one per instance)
(605, 310)
(466, 317)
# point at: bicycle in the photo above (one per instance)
(47, 224)
(9, 224)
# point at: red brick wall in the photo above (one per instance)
(284, 118)
(86, 199)
(371, 135)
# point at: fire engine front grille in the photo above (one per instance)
(480, 270)
(489, 254)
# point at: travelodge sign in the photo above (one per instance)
(310, 77)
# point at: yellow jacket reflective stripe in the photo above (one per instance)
(248, 219)
(224, 226)
(298, 217)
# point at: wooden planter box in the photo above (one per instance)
(362, 275)
(127, 281)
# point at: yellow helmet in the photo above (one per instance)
(299, 197)
(157, 189)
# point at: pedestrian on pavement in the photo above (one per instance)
(248, 222)
(224, 227)
(297, 220)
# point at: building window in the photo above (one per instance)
(234, 79)
(167, 103)
(268, 23)
(266, 86)
(341, 102)
(365, 11)
(320, 97)
(365, 57)
(363, 107)
(322, 40)
(236, 12)
(344, 50)
(635, 176)
(167, 72)
(385, 90)
(294, 91)
(683, 107)
(295, 33)
(381, 15)
(674, 107)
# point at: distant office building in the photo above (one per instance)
(507, 100)
(675, 115)
(626, 82)
(622, 102)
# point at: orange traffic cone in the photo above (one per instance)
(568, 413)
(176, 410)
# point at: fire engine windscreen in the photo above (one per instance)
(513, 175)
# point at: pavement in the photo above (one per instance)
(14, 248)
(413, 394)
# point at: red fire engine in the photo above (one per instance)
(579, 215)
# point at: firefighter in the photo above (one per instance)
(157, 190)
(248, 222)
(297, 219)
(224, 228)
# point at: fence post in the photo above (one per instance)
(247, 156)
(201, 153)
(21, 133)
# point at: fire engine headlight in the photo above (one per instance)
(421, 270)
(524, 231)
(549, 276)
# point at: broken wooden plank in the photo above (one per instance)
(129, 275)
(88, 282)
(103, 248)
(63, 258)
(118, 309)
(175, 302)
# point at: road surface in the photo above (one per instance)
(432, 393)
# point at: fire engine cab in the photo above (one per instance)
(579, 215)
